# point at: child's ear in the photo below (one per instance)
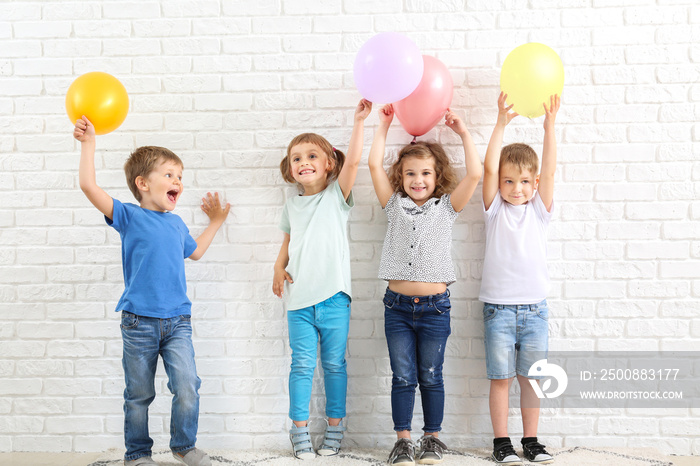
(537, 181)
(141, 184)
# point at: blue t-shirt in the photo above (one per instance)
(154, 248)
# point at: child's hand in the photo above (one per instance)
(363, 110)
(455, 123)
(211, 205)
(503, 116)
(386, 114)
(84, 131)
(551, 112)
(278, 280)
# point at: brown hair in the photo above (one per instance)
(520, 155)
(445, 177)
(143, 161)
(336, 157)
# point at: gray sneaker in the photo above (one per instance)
(143, 461)
(431, 450)
(403, 453)
(194, 457)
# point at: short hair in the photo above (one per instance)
(445, 177)
(336, 157)
(520, 155)
(143, 161)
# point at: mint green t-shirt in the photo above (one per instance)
(319, 254)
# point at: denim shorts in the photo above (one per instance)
(515, 336)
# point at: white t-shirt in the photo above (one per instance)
(319, 254)
(515, 260)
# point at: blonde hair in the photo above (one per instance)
(143, 161)
(520, 155)
(445, 177)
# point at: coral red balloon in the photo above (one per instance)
(424, 108)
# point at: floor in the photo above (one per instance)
(83, 459)
(48, 459)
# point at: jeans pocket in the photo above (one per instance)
(490, 312)
(542, 311)
(129, 321)
(388, 303)
(339, 299)
(443, 306)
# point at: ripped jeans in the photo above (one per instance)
(416, 329)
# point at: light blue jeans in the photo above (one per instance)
(328, 321)
(515, 337)
(144, 339)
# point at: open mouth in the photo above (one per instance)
(172, 195)
(306, 172)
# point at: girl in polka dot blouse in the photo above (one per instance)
(422, 197)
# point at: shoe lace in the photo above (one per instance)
(402, 447)
(432, 443)
(535, 448)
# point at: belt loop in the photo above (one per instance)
(397, 299)
(430, 300)
(447, 291)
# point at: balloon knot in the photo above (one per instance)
(414, 140)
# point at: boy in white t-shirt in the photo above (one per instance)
(517, 209)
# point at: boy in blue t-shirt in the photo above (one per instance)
(155, 308)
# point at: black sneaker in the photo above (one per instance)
(535, 453)
(505, 454)
(432, 450)
(403, 453)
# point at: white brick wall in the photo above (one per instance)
(226, 85)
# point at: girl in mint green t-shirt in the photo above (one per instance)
(312, 273)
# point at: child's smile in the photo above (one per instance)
(516, 187)
(309, 165)
(163, 187)
(418, 177)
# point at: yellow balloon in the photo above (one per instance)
(530, 74)
(101, 98)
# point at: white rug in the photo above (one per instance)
(577, 456)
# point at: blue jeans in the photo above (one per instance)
(416, 330)
(515, 337)
(144, 339)
(328, 320)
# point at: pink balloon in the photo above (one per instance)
(387, 68)
(424, 108)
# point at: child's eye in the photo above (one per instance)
(295, 159)
(168, 175)
(526, 181)
(312, 156)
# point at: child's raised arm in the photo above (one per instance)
(380, 180)
(549, 153)
(217, 214)
(85, 133)
(346, 178)
(493, 151)
(464, 190)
